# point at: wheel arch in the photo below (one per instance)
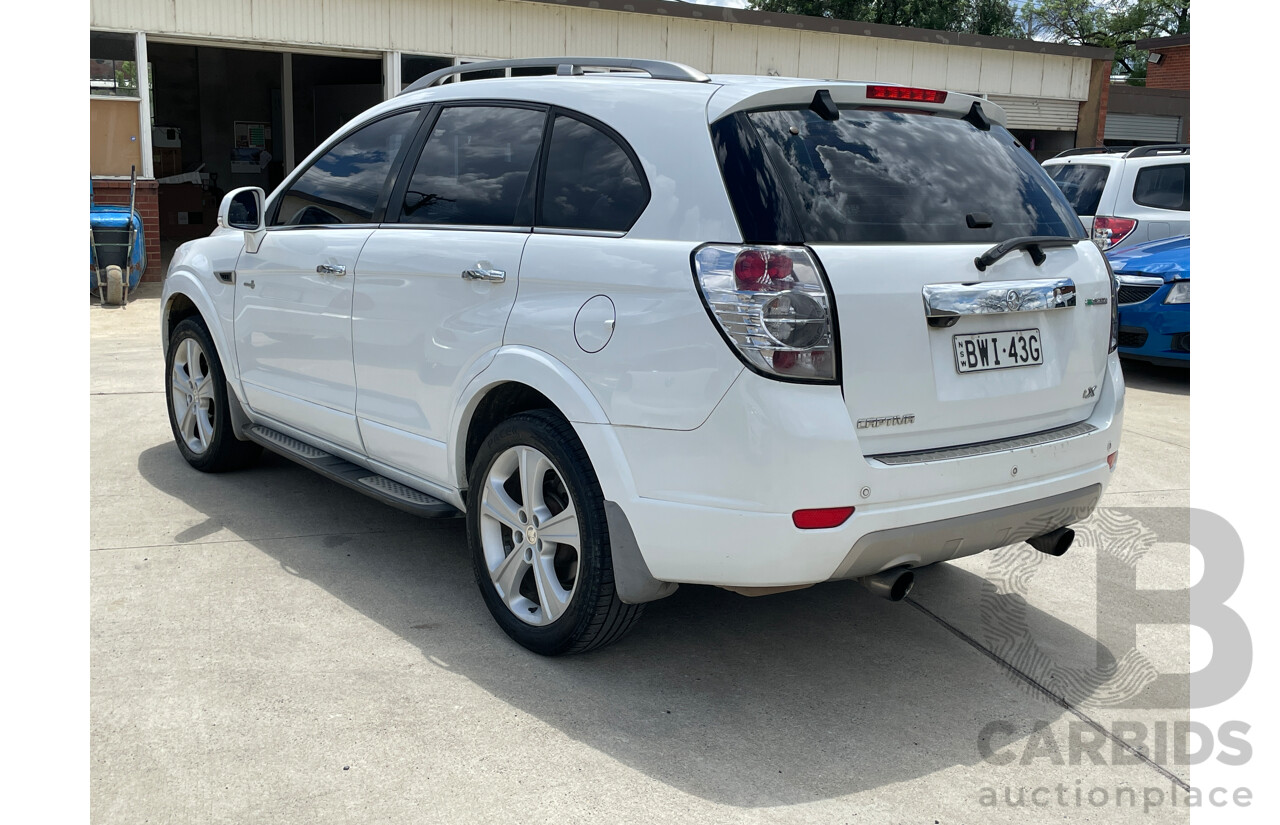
(520, 379)
(516, 380)
(185, 296)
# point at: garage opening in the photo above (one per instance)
(223, 118)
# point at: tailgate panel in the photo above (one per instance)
(901, 383)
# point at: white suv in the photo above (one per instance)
(645, 327)
(1125, 197)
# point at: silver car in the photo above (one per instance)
(1127, 196)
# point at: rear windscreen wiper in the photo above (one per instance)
(1034, 244)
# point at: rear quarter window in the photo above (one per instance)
(592, 182)
(888, 176)
(1082, 184)
(1164, 187)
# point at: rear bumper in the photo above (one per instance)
(965, 535)
(713, 505)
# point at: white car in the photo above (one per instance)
(1124, 196)
(643, 327)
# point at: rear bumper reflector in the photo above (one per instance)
(821, 518)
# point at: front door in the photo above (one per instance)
(294, 294)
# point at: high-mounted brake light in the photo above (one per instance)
(773, 305)
(908, 93)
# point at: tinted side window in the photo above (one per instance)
(1082, 183)
(345, 184)
(1164, 187)
(591, 182)
(474, 169)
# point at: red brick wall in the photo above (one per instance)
(116, 193)
(1173, 72)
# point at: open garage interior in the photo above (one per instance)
(225, 118)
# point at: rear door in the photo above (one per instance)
(437, 280)
(293, 296)
(935, 351)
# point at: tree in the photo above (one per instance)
(986, 17)
(1110, 24)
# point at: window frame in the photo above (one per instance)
(393, 173)
(545, 155)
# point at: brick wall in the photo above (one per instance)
(1173, 72)
(116, 193)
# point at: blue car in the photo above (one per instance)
(1155, 300)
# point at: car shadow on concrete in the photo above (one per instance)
(1142, 375)
(790, 698)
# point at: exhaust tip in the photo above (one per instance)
(891, 585)
(1055, 542)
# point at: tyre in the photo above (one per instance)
(196, 389)
(115, 285)
(539, 539)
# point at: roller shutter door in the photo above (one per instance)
(1039, 113)
(1158, 128)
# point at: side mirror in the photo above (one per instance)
(242, 209)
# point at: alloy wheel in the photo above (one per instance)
(530, 535)
(192, 395)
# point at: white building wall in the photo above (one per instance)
(502, 28)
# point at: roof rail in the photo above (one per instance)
(1091, 150)
(1160, 149)
(657, 69)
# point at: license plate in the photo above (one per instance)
(983, 351)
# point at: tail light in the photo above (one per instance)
(1107, 232)
(773, 306)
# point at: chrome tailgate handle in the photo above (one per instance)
(481, 274)
(331, 269)
(945, 303)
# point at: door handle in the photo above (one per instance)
(331, 269)
(478, 274)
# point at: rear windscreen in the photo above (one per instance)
(882, 176)
(1082, 184)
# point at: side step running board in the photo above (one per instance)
(357, 478)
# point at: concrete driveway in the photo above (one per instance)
(267, 646)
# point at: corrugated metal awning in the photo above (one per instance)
(1039, 113)
(1159, 128)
